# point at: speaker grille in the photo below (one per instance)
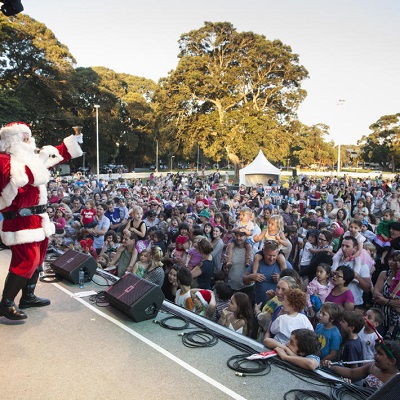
(130, 289)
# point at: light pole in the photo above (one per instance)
(96, 106)
(83, 162)
(172, 157)
(198, 157)
(338, 159)
(156, 169)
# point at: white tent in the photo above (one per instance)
(259, 171)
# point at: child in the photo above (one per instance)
(88, 215)
(223, 293)
(294, 302)
(193, 255)
(351, 324)
(182, 244)
(383, 239)
(275, 232)
(140, 266)
(360, 208)
(328, 332)
(243, 225)
(204, 302)
(302, 349)
(337, 235)
(111, 244)
(138, 227)
(207, 229)
(320, 287)
(354, 230)
(103, 261)
(237, 316)
(385, 366)
(218, 220)
(59, 221)
(367, 335)
(311, 242)
(183, 296)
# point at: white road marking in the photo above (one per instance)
(156, 347)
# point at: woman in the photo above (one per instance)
(341, 294)
(381, 295)
(385, 366)
(342, 217)
(273, 308)
(378, 201)
(103, 225)
(170, 285)
(204, 271)
(218, 245)
(323, 253)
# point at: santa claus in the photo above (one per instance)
(23, 198)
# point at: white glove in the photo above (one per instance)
(78, 138)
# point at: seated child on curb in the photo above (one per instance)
(204, 302)
(302, 349)
(238, 315)
(223, 294)
(274, 232)
(327, 331)
(294, 302)
(183, 296)
(246, 226)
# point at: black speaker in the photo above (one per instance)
(137, 298)
(68, 265)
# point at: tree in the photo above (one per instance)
(231, 93)
(35, 69)
(309, 146)
(383, 144)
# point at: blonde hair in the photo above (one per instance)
(156, 256)
(278, 220)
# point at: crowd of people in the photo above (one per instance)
(274, 262)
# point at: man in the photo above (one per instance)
(362, 278)
(238, 268)
(103, 225)
(114, 215)
(268, 272)
(23, 197)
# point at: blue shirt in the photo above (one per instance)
(115, 216)
(330, 339)
(268, 283)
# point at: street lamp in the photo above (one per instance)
(83, 162)
(96, 106)
(172, 157)
(156, 169)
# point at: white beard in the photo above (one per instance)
(24, 150)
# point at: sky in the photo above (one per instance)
(349, 47)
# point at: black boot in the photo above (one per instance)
(12, 285)
(28, 298)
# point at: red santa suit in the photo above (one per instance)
(23, 179)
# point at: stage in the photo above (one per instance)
(74, 349)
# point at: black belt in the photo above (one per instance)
(24, 212)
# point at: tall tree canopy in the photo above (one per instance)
(383, 144)
(232, 93)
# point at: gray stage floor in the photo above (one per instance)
(73, 349)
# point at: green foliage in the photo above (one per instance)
(383, 144)
(232, 93)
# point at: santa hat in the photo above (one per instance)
(16, 127)
(204, 296)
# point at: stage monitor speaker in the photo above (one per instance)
(68, 265)
(137, 298)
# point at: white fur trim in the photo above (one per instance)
(51, 156)
(18, 178)
(43, 198)
(73, 147)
